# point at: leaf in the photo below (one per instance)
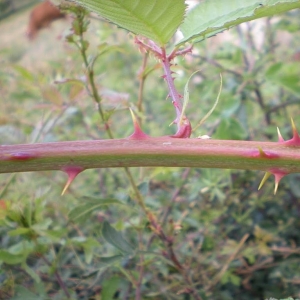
(213, 107)
(115, 238)
(109, 288)
(103, 49)
(144, 188)
(230, 129)
(108, 260)
(19, 231)
(33, 275)
(3, 209)
(88, 245)
(21, 293)
(213, 16)
(75, 90)
(50, 93)
(84, 211)
(285, 75)
(155, 19)
(24, 73)
(10, 258)
(186, 97)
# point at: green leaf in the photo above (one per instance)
(286, 75)
(109, 288)
(88, 245)
(21, 293)
(230, 129)
(213, 16)
(155, 19)
(19, 231)
(213, 107)
(33, 275)
(108, 260)
(11, 259)
(186, 97)
(115, 238)
(84, 211)
(24, 73)
(144, 188)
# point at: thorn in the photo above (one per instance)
(173, 122)
(295, 140)
(268, 155)
(265, 178)
(278, 176)
(261, 152)
(295, 133)
(72, 172)
(138, 133)
(280, 138)
(276, 187)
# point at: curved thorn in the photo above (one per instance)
(265, 178)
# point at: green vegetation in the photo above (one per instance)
(148, 233)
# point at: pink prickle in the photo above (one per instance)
(280, 138)
(72, 172)
(295, 140)
(138, 133)
(278, 174)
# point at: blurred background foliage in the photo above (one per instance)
(95, 242)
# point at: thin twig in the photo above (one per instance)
(282, 105)
(138, 293)
(58, 277)
(229, 260)
(178, 190)
(97, 98)
(217, 64)
(172, 200)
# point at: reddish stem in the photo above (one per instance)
(170, 81)
(184, 128)
(162, 151)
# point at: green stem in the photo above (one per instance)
(95, 94)
(97, 98)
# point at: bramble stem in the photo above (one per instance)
(162, 151)
(184, 128)
(173, 93)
